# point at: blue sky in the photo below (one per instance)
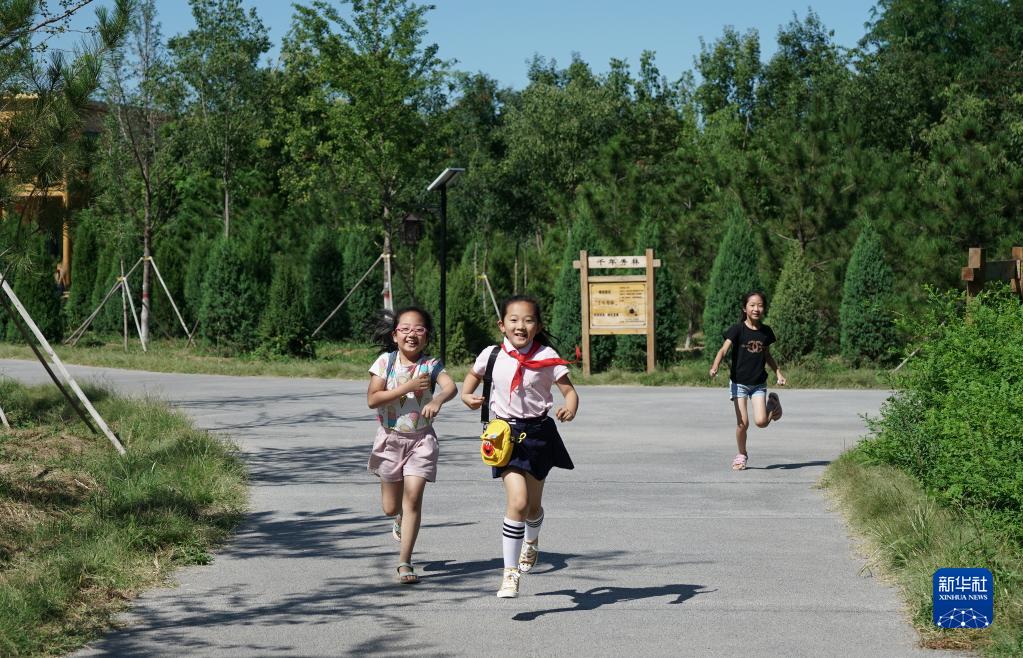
(498, 37)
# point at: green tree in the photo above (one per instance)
(565, 317)
(84, 265)
(793, 313)
(468, 319)
(733, 274)
(867, 323)
(35, 287)
(194, 274)
(324, 285)
(284, 329)
(363, 89)
(44, 104)
(230, 302)
(359, 254)
(216, 68)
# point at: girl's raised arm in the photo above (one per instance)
(377, 394)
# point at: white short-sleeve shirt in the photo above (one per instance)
(533, 397)
(405, 413)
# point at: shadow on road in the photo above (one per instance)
(788, 467)
(597, 597)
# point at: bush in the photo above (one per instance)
(469, 315)
(230, 301)
(565, 320)
(283, 329)
(359, 254)
(733, 274)
(194, 274)
(865, 316)
(630, 351)
(324, 285)
(84, 257)
(792, 314)
(35, 287)
(954, 424)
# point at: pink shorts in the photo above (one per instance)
(397, 454)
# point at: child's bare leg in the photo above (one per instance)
(390, 497)
(411, 514)
(534, 511)
(517, 494)
(741, 424)
(760, 415)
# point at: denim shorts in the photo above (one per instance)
(744, 391)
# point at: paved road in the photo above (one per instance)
(651, 547)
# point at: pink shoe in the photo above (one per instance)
(739, 463)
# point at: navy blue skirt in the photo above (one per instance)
(540, 451)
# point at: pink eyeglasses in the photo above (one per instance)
(418, 330)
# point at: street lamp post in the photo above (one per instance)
(441, 183)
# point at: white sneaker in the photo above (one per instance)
(527, 558)
(509, 584)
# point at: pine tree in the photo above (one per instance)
(324, 285)
(359, 254)
(468, 319)
(35, 287)
(792, 314)
(230, 302)
(868, 330)
(84, 258)
(195, 272)
(566, 316)
(733, 274)
(630, 351)
(284, 329)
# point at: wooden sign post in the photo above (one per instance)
(622, 304)
(979, 270)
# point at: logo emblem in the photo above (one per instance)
(963, 598)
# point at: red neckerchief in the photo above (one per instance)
(525, 361)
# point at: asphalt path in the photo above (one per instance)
(652, 546)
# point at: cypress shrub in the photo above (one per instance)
(467, 317)
(84, 265)
(195, 272)
(230, 308)
(792, 313)
(865, 316)
(359, 254)
(324, 285)
(284, 328)
(427, 277)
(630, 351)
(566, 316)
(35, 287)
(733, 274)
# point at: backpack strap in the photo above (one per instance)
(434, 373)
(488, 380)
(391, 358)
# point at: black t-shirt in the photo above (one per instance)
(748, 353)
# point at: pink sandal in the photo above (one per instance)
(739, 463)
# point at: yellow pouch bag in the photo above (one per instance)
(497, 443)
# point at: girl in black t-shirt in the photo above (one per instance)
(751, 341)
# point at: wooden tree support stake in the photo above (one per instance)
(3, 419)
(357, 284)
(59, 365)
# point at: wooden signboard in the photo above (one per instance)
(622, 304)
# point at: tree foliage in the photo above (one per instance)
(733, 274)
(868, 328)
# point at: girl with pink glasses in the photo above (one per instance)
(401, 388)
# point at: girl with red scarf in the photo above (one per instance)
(524, 371)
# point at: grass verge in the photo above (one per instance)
(909, 536)
(83, 530)
(352, 361)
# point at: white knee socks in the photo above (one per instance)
(533, 528)
(511, 541)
